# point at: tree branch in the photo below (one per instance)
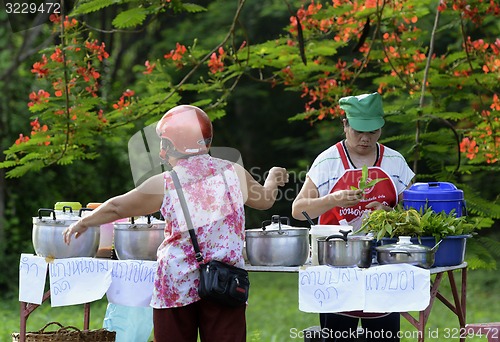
(424, 88)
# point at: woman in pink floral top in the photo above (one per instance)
(216, 191)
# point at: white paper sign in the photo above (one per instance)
(32, 274)
(132, 283)
(331, 289)
(397, 288)
(78, 280)
(387, 288)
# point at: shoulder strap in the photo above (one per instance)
(187, 216)
(343, 155)
(380, 155)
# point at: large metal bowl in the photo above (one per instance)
(48, 239)
(277, 244)
(139, 239)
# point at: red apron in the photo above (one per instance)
(384, 192)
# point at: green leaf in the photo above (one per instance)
(130, 18)
(193, 8)
(373, 182)
(92, 6)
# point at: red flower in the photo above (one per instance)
(442, 6)
(70, 23)
(496, 103)
(215, 63)
(176, 55)
(124, 100)
(99, 50)
(149, 67)
(22, 139)
(37, 98)
(57, 56)
(469, 147)
(38, 68)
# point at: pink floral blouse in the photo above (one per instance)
(215, 201)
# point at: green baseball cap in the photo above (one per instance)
(364, 112)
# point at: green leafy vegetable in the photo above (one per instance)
(363, 181)
(410, 222)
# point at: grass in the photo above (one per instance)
(273, 315)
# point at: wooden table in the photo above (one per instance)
(457, 304)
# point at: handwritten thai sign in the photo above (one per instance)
(78, 280)
(132, 283)
(84, 280)
(330, 289)
(387, 288)
(396, 288)
(32, 274)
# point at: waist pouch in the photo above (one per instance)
(226, 284)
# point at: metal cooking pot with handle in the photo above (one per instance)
(343, 250)
(48, 240)
(138, 239)
(404, 251)
(277, 243)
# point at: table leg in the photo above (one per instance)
(424, 315)
(460, 299)
(25, 310)
(86, 316)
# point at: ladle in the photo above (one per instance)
(306, 215)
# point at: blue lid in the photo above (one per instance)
(433, 191)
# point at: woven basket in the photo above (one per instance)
(67, 334)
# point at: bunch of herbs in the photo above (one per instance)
(416, 223)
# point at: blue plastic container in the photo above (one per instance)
(450, 252)
(440, 196)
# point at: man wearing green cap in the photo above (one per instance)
(332, 193)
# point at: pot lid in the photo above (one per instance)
(433, 191)
(142, 222)
(65, 206)
(346, 236)
(93, 205)
(277, 226)
(404, 244)
(54, 217)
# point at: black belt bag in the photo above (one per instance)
(223, 283)
(220, 282)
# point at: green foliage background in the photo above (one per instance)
(263, 117)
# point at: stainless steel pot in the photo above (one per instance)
(138, 239)
(343, 250)
(277, 244)
(48, 240)
(404, 251)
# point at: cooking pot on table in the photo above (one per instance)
(277, 244)
(48, 239)
(138, 239)
(343, 250)
(404, 251)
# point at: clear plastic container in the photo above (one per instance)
(106, 239)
